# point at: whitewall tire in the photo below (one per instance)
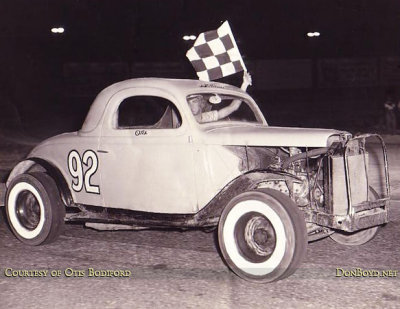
(34, 208)
(262, 235)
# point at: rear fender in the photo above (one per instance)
(37, 164)
(21, 168)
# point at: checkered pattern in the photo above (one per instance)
(215, 54)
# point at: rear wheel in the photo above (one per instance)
(262, 235)
(34, 208)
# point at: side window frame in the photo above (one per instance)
(175, 121)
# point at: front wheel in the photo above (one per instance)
(34, 208)
(262, 235)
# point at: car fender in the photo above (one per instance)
(242, 183)
(37, 164)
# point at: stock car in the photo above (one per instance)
(143, 160)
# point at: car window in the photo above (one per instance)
(148, 112)
(212, 107)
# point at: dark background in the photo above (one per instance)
(339, 79)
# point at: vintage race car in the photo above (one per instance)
(144, 158)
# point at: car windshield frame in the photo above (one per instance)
(251, 106)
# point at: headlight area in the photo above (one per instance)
(341, 138)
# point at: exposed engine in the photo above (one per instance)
(298, 174)
(298, 171)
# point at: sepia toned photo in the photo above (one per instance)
(199, 154)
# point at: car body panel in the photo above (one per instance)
(139, 166)
(57, 151)
(215, 167)
(141, 173)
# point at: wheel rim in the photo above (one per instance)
(25, 210)
(254, 237)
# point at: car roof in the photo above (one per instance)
(180, 86)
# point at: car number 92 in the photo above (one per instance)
(81, 177)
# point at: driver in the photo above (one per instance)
(198, 105)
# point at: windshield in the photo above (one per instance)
(212, 107)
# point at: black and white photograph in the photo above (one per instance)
(199, 154)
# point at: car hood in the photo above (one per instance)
(261, 135)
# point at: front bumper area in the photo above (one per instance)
(376, 215)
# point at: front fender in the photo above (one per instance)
(243, 183)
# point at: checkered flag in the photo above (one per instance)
(215, 54)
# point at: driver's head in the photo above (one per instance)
(197, 104)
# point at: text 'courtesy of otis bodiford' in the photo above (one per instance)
(68, 272)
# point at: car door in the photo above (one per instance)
(146, 154)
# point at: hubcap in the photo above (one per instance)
(27, 210)
(256, 238)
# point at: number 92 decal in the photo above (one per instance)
(81, 177)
